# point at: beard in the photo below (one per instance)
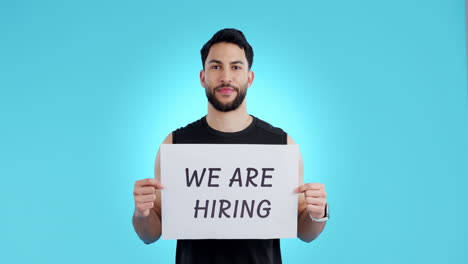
(226, 107)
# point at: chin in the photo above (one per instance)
(225, 100)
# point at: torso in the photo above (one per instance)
(229, 250)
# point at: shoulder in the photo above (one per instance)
(191, 128)
(267, 127)
(271, 131)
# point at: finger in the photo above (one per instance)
(144, 190)
(149, 182)
(144, 206)
(316, 211)
(313, 193)
(142, 213)
(316, 193)
(145, 198)
(315, 201)
(309, 186)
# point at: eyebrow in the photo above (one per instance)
(232, 62)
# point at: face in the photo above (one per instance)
(226, 76)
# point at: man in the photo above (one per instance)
(227, 58)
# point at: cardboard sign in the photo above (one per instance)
(220, 191)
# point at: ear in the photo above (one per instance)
(202, 78)
(250, 78)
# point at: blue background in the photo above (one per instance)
(375, 93)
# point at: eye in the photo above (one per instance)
(215, 67)
(236, 68)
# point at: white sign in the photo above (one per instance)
(226, 191)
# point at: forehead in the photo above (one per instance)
(226, 52)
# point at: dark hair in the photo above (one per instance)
(230, 35)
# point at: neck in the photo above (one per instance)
(232, 121)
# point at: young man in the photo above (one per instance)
(227, 58)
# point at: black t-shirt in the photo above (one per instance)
(227, 251)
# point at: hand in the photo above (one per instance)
(315, 197)
(144, 194)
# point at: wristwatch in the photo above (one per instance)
(323, 219)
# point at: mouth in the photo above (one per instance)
(225, 90)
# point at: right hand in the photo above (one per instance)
(144, 194)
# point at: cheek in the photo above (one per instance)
(245, 81)
(210, 78)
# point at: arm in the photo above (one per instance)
(147, 194)
(312, 198)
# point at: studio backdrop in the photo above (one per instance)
(374, 92)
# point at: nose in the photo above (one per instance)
(226, 76)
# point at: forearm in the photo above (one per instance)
(308, 230)
(148, 228)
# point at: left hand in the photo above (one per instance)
(315, 197)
